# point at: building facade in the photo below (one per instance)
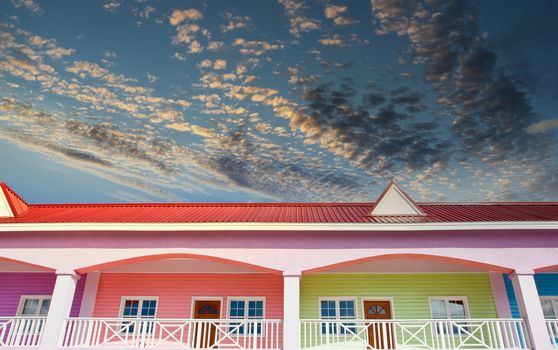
(393, 274)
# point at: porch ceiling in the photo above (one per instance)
(14, 266)
(180, 265)
(403, 266)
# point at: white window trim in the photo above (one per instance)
(337, 299)
(141, 299)
(246, 299)
(205, 298)
(446, 298)
(390, 299)
(554, 302)
(22, 300)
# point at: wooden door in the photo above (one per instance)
(381, 334)
(203, 333)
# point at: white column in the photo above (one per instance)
(530, 308)
(500, 295)
(60, 306)
(291, 310)
(89, 294)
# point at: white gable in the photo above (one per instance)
(5, 210)
(395, 202)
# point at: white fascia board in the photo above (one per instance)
(444, 226)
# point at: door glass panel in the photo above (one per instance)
(376, 310)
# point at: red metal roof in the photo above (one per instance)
(270, 212)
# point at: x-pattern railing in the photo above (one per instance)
(172, 333)
(489, 334)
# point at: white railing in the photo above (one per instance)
(552, 327)
(121, 333)
(414, 334)
(21, 332)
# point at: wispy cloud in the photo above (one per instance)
(29, 5)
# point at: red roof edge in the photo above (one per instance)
(405, 194)
(17, 204)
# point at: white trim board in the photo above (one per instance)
(139, 227)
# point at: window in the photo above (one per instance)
(550, 307)
(449, 308)
(35, 305)
(247, 308)
(337, 309)
(139, 308)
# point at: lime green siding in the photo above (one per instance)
(410, 292)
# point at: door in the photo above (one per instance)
(380, 334)
(204, 332)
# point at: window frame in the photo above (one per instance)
(246, 299)
(22, 300)
(337, 300)
(554, 302)
(141, 300)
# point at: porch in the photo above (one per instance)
(122, 333)
(415, 334)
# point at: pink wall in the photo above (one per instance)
(15, 284)
(175, 291)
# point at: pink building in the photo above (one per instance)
(393, 274)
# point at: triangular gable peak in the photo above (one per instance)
(395, 201)
(11, 204)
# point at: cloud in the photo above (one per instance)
(298, 22)
(151, 77)
(345, 21)
(185, 34)
(215, 45)
(112, 5)
(179, 16)
(146, 12)
(335, 40)
(234, 22)
(332, 11)
(194, 129)
(255, 47)
(492, 112)
(542, 126)
(28, 4)
(60, 52)
(218, 64)
(301, 24)
(195, 47)
(179, 56)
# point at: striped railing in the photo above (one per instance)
(21, 332)
(119, 333)
(552, 327)
(490, 334)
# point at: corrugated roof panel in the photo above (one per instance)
(280, 212)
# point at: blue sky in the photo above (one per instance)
(288, 100)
